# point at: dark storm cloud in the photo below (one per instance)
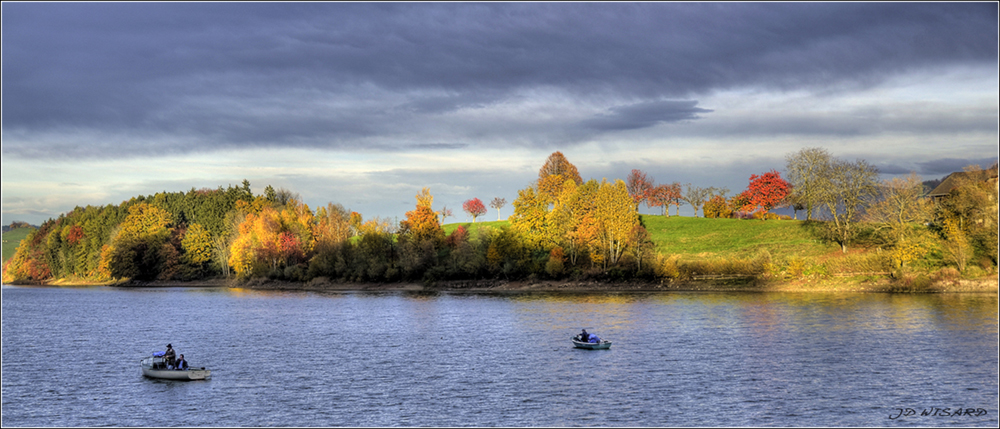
(643, 115)
(217, 75)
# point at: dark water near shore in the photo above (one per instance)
(70, 358)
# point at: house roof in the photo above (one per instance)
(951, 181)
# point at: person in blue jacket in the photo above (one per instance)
(181, 364)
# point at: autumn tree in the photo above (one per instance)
(197, 246)
(764, 192)
(474, 208)
(971, 206)
(664, 195)
(528, 219)
(498, 203)
(897, 213)
(334, 224)
(639, 186)
(807, 172)
(135, 251)
(556, 170)
(717, 207)
(272, 241)
(557, 164)
(614, 211)
(422, 223)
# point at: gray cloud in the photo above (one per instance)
(207, 76)
(941, 167)
(644, 115)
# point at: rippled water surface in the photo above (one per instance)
(70, 358)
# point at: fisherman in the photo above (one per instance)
(584, 336)
(170, 356)
(181, 364)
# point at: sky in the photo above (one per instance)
(364, 104)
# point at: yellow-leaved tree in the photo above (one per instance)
(616, 216)
(528, 220)
(134, 250)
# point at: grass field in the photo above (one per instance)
(473, 228)
(12, 239)
(699, 238)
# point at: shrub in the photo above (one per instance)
(861, 263)
(666, 266)
(717, 207)
(795, 267)
(946, 274)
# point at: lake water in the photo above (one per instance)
(70, 358)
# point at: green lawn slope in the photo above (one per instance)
(473, 228)
(12, 239)
(700, 238)
(695, 239)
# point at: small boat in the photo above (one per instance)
(155, 366)
(600, 345)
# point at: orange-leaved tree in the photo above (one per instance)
(422, 223)
(271, 240)
(556, 170)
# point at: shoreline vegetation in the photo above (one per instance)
(857, 284)
(859, 234)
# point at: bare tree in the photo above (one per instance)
(498, 204)
(806, 171)
(849, 187)
(695, 196)
(445, 213)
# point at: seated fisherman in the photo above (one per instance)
(584, 336)
(181, 364)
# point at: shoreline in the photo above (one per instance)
(735, 284)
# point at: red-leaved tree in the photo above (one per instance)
(474, 208)
(765, 192)
(639, 187)
(664, 195)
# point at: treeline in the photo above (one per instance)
(562, 226)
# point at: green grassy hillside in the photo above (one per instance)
(699, 238)
(473, 228)
(12, 239)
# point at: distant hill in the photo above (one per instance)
(17, 224)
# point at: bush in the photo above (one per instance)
(666, 266)
(795, 267)
(860, 263)
(947, 274)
